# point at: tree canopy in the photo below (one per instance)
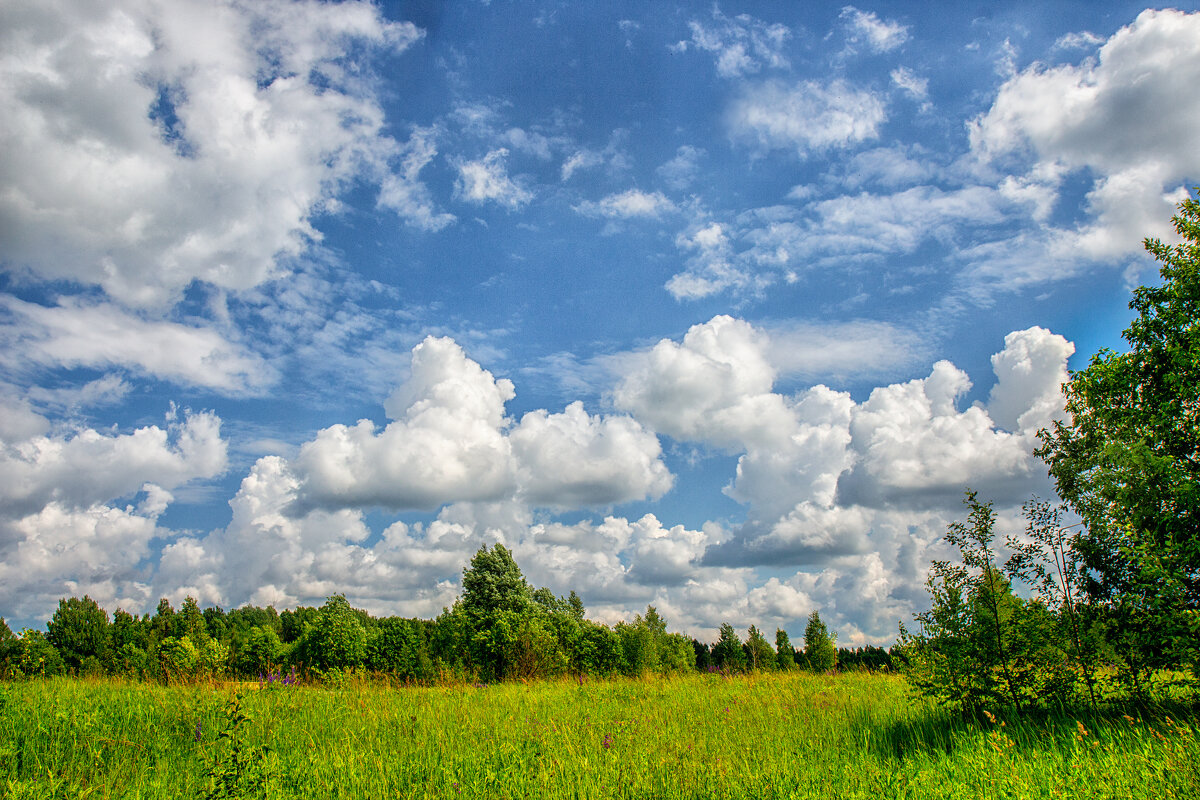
(1127, 459)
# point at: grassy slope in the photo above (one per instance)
(845, 736)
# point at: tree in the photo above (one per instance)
(820, 646)
(1127, 461)
(727, 653)
(10, 647)
(78, 630)
(785, 654)
(494, 582)
(337, 640)
(979, 644)
(759, 654)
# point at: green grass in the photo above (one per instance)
(845, 736)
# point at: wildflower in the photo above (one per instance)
(199, 729)
(608, 742)
(991, 718)
(1082, 730)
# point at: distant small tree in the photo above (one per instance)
(759, 653)
(727, 652)
(820, 646)
(785, 654)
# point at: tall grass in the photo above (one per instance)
(700, 736)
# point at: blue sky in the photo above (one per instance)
(714, 307)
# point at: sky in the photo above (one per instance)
(714, 307)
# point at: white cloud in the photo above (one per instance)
(575, 460)
(715, 385)
(403, 191)
(75, 333)
(742, 45)
(680, 172)
(450, 442)
(908, 81)
(63, 551)
(629, 204)
(1085, 40)
(865, 27)
(487, 180)
(446, 443)
(807, 117)
(86, 467)
(1092, 116)
(150, 144)
(1030, 372)
(711, 264)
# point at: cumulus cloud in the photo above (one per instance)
(866, 28)
(1092, 116)
(450, 442)
(806, 117)
(86, 467)
(77, 333)
(576, 460)
(715, 385)
(445, 444)
(63, 551)
(150, 144)
(487, 180)
(60, 536)
(742, 45)
(630, 204)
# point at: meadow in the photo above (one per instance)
(699, 736)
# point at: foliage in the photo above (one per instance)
(77, 630)
(239, 770)
(1127, 461)
(820, 646)
(759, 654)
(727, 653)
(785, 654)
(337, 640)
(981, 646)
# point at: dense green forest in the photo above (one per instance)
(1073, 610)
(500, 628)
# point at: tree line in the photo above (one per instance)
(500, 628)
(1110, 604)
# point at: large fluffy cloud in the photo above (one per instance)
(86, 467)
(148, 143)
(1129, 116)
(60, 535)
(450, 442)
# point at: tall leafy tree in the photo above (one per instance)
(759, 653)
(78, 630)
(820, 646)
(785, 654)
(727, 653)
(1127, 460)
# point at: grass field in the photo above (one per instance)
(702, 736)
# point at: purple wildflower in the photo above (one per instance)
(608, 741)
(199, 729)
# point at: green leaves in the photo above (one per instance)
(1128, 460)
